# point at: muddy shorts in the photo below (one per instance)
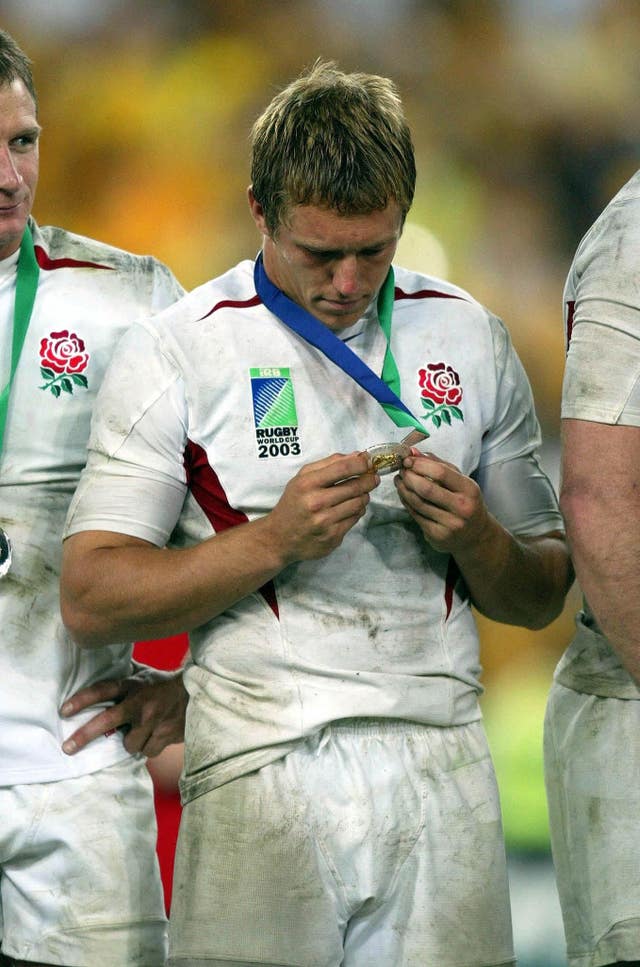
(592, 773)
(372, 843)
(79, 877)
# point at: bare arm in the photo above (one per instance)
(118, 588)
(600, 500)
(515, 580)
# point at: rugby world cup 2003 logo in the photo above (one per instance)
(274, 412)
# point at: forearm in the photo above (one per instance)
(605, 541)
(520, 581)
(600, 501)
(115, 590)
(120, 588)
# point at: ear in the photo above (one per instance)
(257, 212)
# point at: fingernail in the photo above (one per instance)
(66, 709)
(69, 747)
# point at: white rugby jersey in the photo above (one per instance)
(87, 294)
(217, 404)
(602, 384)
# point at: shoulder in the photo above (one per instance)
(221, 298)
(613, 240)
(420, 292)
(58, 248)
(441, 303)
(416, 286)
(233, 291)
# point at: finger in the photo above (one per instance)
(105, 691)
(137, 738)
(354, 493)
(105, 723)
(151, 742)
(342, 514)
(153, 745)
(336, 468)
(352, 488)
(432, 468)
(416, 490)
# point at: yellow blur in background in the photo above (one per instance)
(525, 122)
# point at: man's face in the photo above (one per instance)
(19, 133)
(332, 265)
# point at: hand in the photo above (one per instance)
(320, 505)
(447, 505)
(150, 706)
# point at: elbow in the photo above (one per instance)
(552, 605)
(545, 615)
(87, 609)
(82, 625)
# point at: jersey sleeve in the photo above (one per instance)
(602, 321)
(134, 482)
(516, 489)
(521, 496)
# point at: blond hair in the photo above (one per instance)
(335, 140)
(15, 65)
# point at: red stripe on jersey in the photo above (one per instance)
(571, 308)
(204, 484)
(453, 573)
(45, 262)
(233, 304)
(424, 294)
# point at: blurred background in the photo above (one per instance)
(525, 121)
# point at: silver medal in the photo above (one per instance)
(5, 553)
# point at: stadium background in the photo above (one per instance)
(525, 121)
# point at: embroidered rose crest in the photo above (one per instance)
(440, 393)
(63, 359)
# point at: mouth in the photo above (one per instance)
(342, 307)
(10, 209)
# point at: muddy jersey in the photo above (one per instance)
(87, 294)
(210, 408)
(602, 385)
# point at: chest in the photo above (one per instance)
(265, 403)
(73, 328)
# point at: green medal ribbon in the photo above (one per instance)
(390, 374)
(26, 288)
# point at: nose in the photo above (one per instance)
(345, 275)
(10, 177)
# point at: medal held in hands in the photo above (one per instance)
(387, 457)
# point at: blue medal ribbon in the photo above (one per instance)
(384, 390)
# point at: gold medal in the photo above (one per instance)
(387, 457)
(5, 553)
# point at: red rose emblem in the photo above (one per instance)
(441, 384)
(440, 392)
(63, 352)
(62, 360)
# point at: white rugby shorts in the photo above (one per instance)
(79, 877)
(372, 843)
